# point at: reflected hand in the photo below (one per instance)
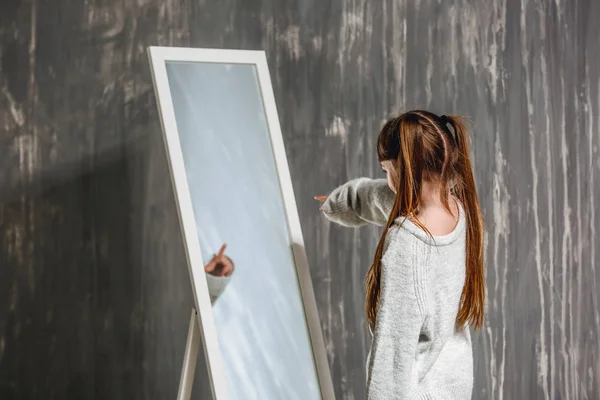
(220, 265)
(321, 199)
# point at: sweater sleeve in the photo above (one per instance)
(392, 373)
(359, 202)
(216, 285)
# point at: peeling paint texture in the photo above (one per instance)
(94, 291)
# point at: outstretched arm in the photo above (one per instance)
(359, 202)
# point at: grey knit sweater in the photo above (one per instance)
(216, 286)
(416, 352)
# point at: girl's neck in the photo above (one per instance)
(432, 194)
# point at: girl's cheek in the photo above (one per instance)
(390, 182)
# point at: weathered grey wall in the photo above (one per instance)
(94, 297)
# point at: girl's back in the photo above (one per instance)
(423, 278)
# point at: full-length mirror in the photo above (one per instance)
(231, 180)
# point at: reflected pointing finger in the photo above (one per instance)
(222, 250)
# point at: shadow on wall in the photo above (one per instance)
(94, 288)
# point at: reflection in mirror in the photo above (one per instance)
(235, 192)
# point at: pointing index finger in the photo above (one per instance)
(222, 251)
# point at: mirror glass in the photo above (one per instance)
(260, 321)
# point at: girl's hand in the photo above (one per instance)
(220, 265)
(321, 199)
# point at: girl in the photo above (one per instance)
(426, 284)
